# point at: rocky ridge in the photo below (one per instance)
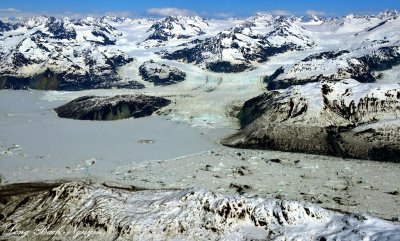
(106, 212)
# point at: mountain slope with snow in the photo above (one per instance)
(346, 118)
(256, 40)
(102, 212)
(50, 53)
(175, 28)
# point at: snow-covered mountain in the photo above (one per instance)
(51, 53)
(362, 56)
(336, 65)
(254, 41)
(175, 28)
(99, 212)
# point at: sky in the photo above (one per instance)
(204, 8)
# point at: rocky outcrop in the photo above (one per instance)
(83, 211)
(347, 119)
(111, 108)
(161, 74)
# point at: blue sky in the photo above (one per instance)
(206, 8)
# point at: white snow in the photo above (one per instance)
(192, 214)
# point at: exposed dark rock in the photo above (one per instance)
(227, 67)
(377, 26)
(268, 79)
(49, 80)
(5, 27)
(118, 61)
(275, 160)
(58, 29)
(326, 55)
(254, 108)
(192, 54)
(382, 59)
(241, 171)
(384, 145)
(161, 74)
(273, 84)
(111, 108)
(106, 39)
(20, 60)
(240, 188)
(281, 137)
(381, 143)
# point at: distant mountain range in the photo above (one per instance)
(72, 54)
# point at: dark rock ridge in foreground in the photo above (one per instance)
(161, 74)
(111, 108)
(102, 212)
(346, 119)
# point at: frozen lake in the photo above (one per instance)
(34, 142)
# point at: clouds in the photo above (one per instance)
(170, 11)
(13, 12)
(284, 12)
(315, 12)
(164, 12)
(281, 12)
(9, 10)
(222, 15)
(154, 12)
